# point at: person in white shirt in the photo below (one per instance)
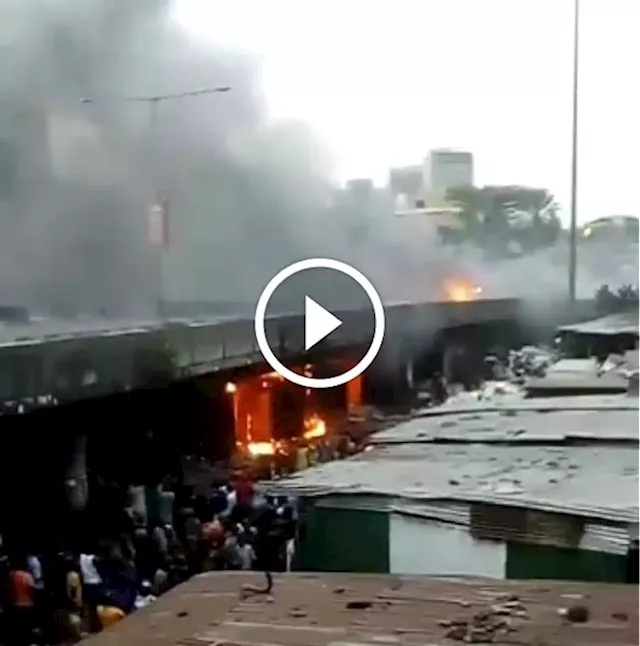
(246, 553)
(144, 597)
(92, 584)
(289, 554)
(90, 575)
(35, 569)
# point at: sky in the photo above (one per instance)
(382, 82)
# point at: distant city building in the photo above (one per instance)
(422, 189)
(420, 192)
(419, 195)
(408, 180)
(446, 169)
(360, 188)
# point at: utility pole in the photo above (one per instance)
(573, 230)
(158, 213)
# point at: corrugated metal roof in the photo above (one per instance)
(573, 366)
(622, 323)
(469, 402)
(606, 383)
(596, 536)
(493, 457)
(605, 538)
(553, 420)
(577, 374)
(365, 610)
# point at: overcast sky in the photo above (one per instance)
(383, 82)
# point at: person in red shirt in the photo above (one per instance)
(22, 594)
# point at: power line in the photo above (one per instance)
(157, 98)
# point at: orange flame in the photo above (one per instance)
(257, 449)
(314, 427)
(459, 292)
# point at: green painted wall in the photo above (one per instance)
(563, 563)
(344, 540)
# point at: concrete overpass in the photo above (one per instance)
(73, 360)
(135, 437)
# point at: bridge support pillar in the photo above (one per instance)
(332, 399)
(389, 382)
(76, 481)
(463, 359)
(453, 353)
(213, 417)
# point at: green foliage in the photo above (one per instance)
(610, 302)
(505, 220)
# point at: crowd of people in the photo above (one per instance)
(57, 599)
(294, 457)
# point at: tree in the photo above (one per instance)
(506, 220)
(628, 295)
(606, 301)
(610, 302)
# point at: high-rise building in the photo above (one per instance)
(445, 169)
(422, 205)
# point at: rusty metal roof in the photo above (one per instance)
(369, 610)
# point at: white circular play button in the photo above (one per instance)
(319, 323)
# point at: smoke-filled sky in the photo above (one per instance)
(80, 176)
(384, 81)
(248, 173)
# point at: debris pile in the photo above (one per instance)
(488, 624)
(529, 361)
(518, 365)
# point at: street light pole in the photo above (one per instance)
(160, 201)
(573, 230)
(158, 209)
(160, 205)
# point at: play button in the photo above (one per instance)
(318, 323)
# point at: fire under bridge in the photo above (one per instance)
(43, 362)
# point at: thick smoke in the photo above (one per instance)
(79, 176)
(246, 197)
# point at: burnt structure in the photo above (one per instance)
(84, 417)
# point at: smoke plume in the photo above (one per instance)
(246, 197)
(79, 175)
